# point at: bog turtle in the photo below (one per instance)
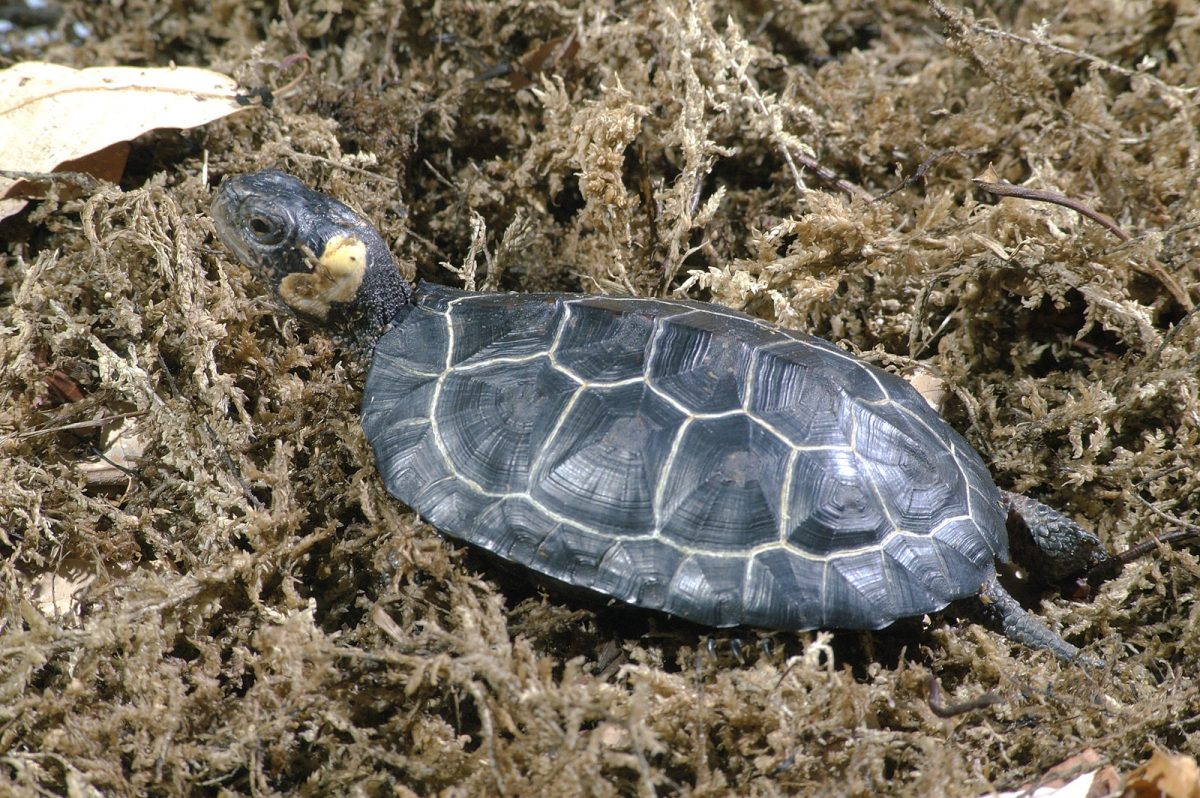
(671, 454)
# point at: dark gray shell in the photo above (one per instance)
(681, 457)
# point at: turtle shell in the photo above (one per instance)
(679, 456)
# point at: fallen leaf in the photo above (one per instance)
(54, 118)
(1164, 775)
(523, 71)
(123, 450)
(931, 387)
(1084, 775)
(59, 593)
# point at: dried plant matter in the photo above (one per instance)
(54, 118)
(256, 616)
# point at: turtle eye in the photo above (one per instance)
(264, 230)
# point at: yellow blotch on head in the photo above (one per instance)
(336, 277)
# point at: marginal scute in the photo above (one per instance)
(512, 528)
(783, 590)
(698, 363)
(920, 485)
(601, 346)
(502, 326)
(856, 593)
(797, 399)
(710, 584)
(638, 571)
(919, 574)
(417, 342)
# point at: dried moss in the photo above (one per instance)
(263, 618)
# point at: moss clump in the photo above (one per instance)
(247, 611)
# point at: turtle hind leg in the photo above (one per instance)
(1063, 547)
(1019, 625)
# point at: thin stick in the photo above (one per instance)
(1005, 189)
(98, 422)
(943, 710)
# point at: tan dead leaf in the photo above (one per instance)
(58, 593)
(122, 451)
(931, 387)
(1084, 775)
(54, 118)
(542, 59)
(1165, 775)
(613, 736)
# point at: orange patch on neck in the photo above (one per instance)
(336, 277)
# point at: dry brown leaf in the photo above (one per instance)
(1084, 775)
(123, 449)
(931, 387)
(59, 593)
(56, 118)
(1165, 775)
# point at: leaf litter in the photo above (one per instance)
(247, 612)
(54, 118)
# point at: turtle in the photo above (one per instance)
(670, 454)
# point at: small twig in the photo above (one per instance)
(1093, 60)
(1167, 233)
(829, 176)
(1191, 529)
(925, 166)
(305, 61)
(304, 156)
(1005, 189)
(98, 422)
(987, 699)
(1110, 567)
(441, 178)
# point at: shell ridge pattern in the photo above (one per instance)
(661, 488)
(1000, 550)
(872, 484)
(883, 505)
(483, 363)
(455, 472)
(946, 436)
(399, 363)
(604, 557)
(538, 463)
(552, 353)
(563, 520)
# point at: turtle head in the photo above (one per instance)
(323, 261)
